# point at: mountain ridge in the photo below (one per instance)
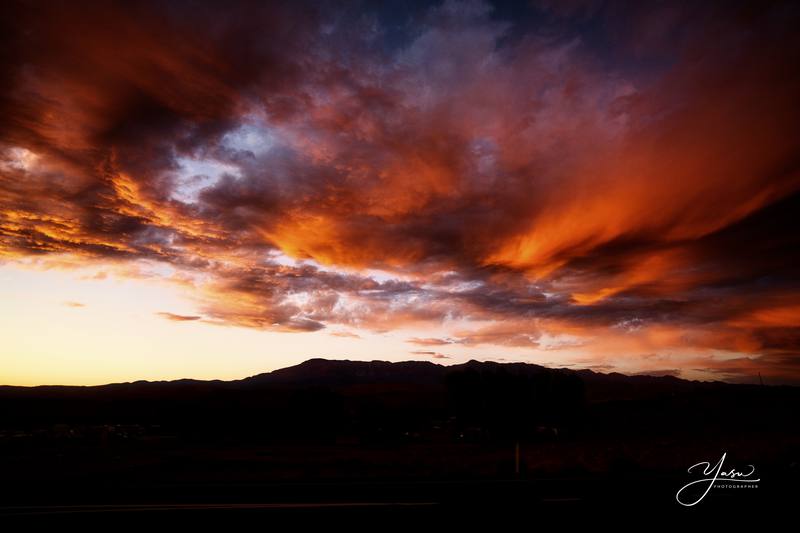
(380, 369)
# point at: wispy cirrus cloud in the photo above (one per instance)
(178, 318)
(432, 355)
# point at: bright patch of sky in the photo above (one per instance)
(253, 136)
(197, 174)
(17, 158)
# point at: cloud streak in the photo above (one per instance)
(178, 318)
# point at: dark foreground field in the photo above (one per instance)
(377, 439)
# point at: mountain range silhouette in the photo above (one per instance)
(466, 435)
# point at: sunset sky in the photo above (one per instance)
(218, 189)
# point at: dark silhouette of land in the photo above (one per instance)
(331, 435)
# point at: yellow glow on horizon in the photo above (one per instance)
(68, 325)
(72, 327)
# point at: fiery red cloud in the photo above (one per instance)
(636, 195)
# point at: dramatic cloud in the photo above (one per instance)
(617, 180)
